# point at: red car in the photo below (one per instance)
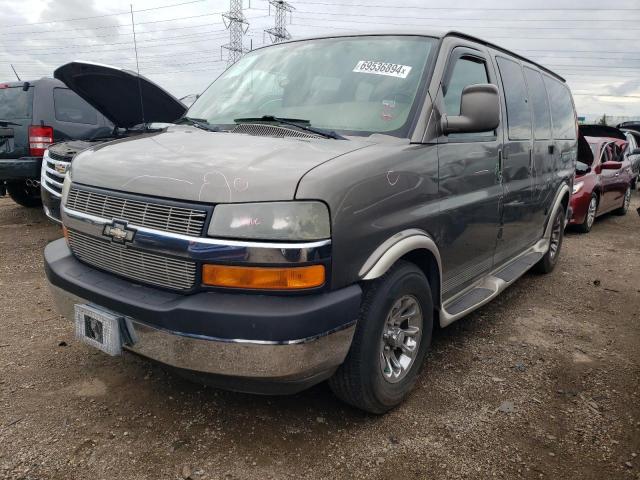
(603, 176)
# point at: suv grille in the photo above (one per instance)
(137, 265)
(166, 218)
(52, 178)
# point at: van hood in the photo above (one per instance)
(187, 163)
(115, 93)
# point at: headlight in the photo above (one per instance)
(290, 221)
(577, 187)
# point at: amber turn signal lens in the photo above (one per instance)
(263, 278)
(65, 233)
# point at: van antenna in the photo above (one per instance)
(135, 47)
(15, 73)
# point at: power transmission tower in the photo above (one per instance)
(279, 33)
(237, 25)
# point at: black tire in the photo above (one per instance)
(625, 203)
(550, 259)
(585, 227)
(24, 195)
(360, 380)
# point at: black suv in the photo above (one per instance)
(34, 115)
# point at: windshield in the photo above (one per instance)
(354, 85)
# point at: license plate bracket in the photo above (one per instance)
(99, 328)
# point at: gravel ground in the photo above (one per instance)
(541, 383)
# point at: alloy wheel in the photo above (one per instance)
(400, 340)
(556, 235)
(591, 213)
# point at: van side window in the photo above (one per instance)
(515, 93)
(466, 71)
(564, 121)
(539, 104)
(69, 107)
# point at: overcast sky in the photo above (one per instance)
(593, 44)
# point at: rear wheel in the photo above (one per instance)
(548, 262)
(25, 195)
(625, 203)
(590, 217)
(392, 337)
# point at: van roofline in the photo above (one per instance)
(423, 33)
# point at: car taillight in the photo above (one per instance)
(39, 139)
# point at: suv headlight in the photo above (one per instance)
(289, 221)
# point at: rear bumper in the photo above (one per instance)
(248, 342)
(20, 168)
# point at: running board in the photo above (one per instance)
(490, 286)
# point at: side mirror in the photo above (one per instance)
(611, 165)
(479, 111)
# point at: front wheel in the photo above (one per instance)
(548, 262)
(625, 203)
(392, 337)
(590, 217)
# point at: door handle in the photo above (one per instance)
(551, 149)
(531, 165)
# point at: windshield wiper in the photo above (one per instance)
(199, 123)
(293, 122)
(7, 123)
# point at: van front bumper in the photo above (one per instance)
(246, 342)
(20, 168)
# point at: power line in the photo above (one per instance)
(564, 27)
(481, 9)
(102, 16)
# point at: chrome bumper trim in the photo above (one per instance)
(203, 248)
(292, 360)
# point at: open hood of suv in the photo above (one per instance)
(115, 93)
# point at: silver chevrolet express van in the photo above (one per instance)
(320, 208)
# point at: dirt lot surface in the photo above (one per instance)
(544, 382)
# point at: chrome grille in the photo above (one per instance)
(145, 267)
(261, 130)
(51, 178)
(166, 218)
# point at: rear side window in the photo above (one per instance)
(515, 93)
(564, 121)
(539, 104)
(15, 102)
(69, 107)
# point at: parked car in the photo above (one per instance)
(366, 198)
(632, 132)
(603, 179)
(121, 104)
(33, 115)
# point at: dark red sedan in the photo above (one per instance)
(603, 180)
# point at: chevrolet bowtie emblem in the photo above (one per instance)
(118, 232)
(61, 168)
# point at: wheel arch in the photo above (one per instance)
(415, 246)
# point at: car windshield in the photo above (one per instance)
(353, 85)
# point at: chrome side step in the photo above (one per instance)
(487, 288)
